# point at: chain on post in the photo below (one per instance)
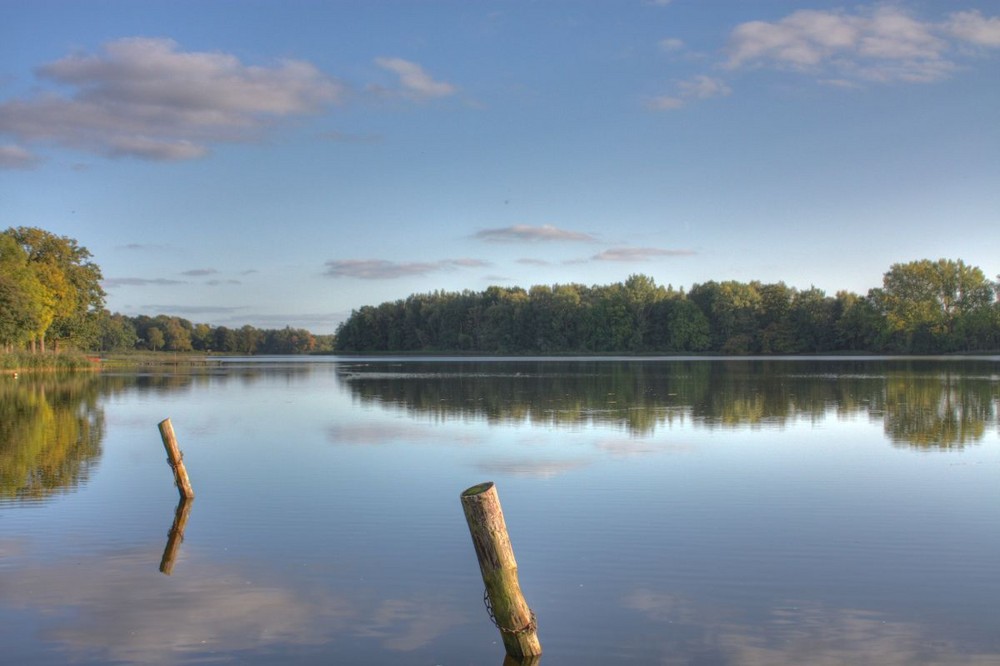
(531, 626)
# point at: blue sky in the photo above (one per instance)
(282, 163)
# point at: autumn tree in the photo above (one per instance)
(73, 296)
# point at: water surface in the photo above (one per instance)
(684, 511)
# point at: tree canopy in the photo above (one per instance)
(922, 307)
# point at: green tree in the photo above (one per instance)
(202, 338)
(732, 309)
(154, 338)
(72, 281)
(177, 332)
(924, 302)
(249, 338)
(116, 332)
(24, 301)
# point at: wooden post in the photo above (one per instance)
(176, 535)
(176, 459)
(510, 611)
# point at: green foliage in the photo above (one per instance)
(68, 296)
(940, 305)
(923, 307)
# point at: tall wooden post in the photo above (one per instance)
(509, 610)
(176, 535)
(176, 459)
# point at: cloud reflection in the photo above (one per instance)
(803, 633)
(531, 468)
(124, 613)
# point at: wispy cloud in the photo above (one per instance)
(346, 137)
(529, 261)
(414, 81)
(671, 44)
(382, 269)
(523, 232)
(112, 283)
(16, 157)
(147, 99)
(639, 254)
(142, 247)
(199, 272)
(181, 309)
(700, 87)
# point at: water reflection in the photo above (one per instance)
(176, 535)
(214, 612)
(796, 632)
(926, 403)
(51, 428)
(52, 425)
(943, 411)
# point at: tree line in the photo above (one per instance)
(176, 334)
(51, 298)
(922, 307)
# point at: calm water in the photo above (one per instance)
(751, 512)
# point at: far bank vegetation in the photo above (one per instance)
(922, 307)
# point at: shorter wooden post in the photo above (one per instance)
(510, 611)
(176, 459)
(176, 535)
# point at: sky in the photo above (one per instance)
(284, 163)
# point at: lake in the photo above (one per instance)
(662, 511)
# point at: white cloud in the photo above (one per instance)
(524, 232)
(881, 44)
(415, 81)
(16, 157)
(144, 98)
(973, 27)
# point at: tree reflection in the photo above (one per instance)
(925, 403)
(50, 434)
(937, 411)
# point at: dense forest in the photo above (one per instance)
(51, 298)
(922, 307)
